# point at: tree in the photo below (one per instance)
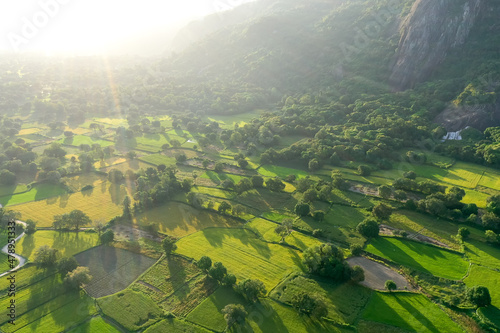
(313, 305)
(492, 237)
(234, 313)
(224, 207)
(77, 278)
(30, 227)
(358, 274)
(107, 237)
(126, 207)
(204, 263)
(302, 209)
(463, 233)
(243, 185)
(390, 285)
(310, 195)
(479, 296)
(338, 181)
(242, 163)
(410, 175)
(314, 165)
(490, 221)
(45, 257)
(257, 181)
(98, 226)
(229, 280)
(78, 219)
(356, 249)
(66, 265)
(275, 184)
(219, 167)
(217, 271)
(131, 155)
(284, 229)
(364, 171)
(368, 228)
(205, 163)
(400, 195)
(168, 244)
(115, 176)
(251, 289)
(385, 191)
(319, 215)
(7, 177)
(493, 204)
(382, 211)
(181, 158)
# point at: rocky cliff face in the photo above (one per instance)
(431, 29)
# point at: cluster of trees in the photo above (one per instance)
(328, 260)
(156, 186)
(75, 219)
(75, 276)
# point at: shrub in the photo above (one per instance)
(390, 285)
(479, 296)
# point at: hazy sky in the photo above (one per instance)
(91, 25)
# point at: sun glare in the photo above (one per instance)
(74, 26)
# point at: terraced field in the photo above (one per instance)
(103, 202)
(411, 312)
(179, 220)
(37, 193)
(421, 257)
(266, 262)
(66, 243)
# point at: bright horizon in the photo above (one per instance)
(92, 26)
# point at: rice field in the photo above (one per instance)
(486, 277)
(345, 301)
(419, 256)
(411, 312)
(37, 193)
(67, 243)
(179, 220)
(279, 171)
(132, 310)
(157, 159)
(266, 262)
(95, 324)
(265, 229)
(78, 140)
(101, 203)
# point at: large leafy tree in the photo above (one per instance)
(251, 289)
(168, 244)
(479, 296)
(368, 228)
(234, 313)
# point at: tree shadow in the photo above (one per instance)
(416, 314)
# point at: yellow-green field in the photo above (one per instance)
(179, 220)
(67, 243)
(102, 203)
(243, 254)
(265, 229)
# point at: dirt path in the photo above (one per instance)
(376, 274)
(22, 260)
(390, 231)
